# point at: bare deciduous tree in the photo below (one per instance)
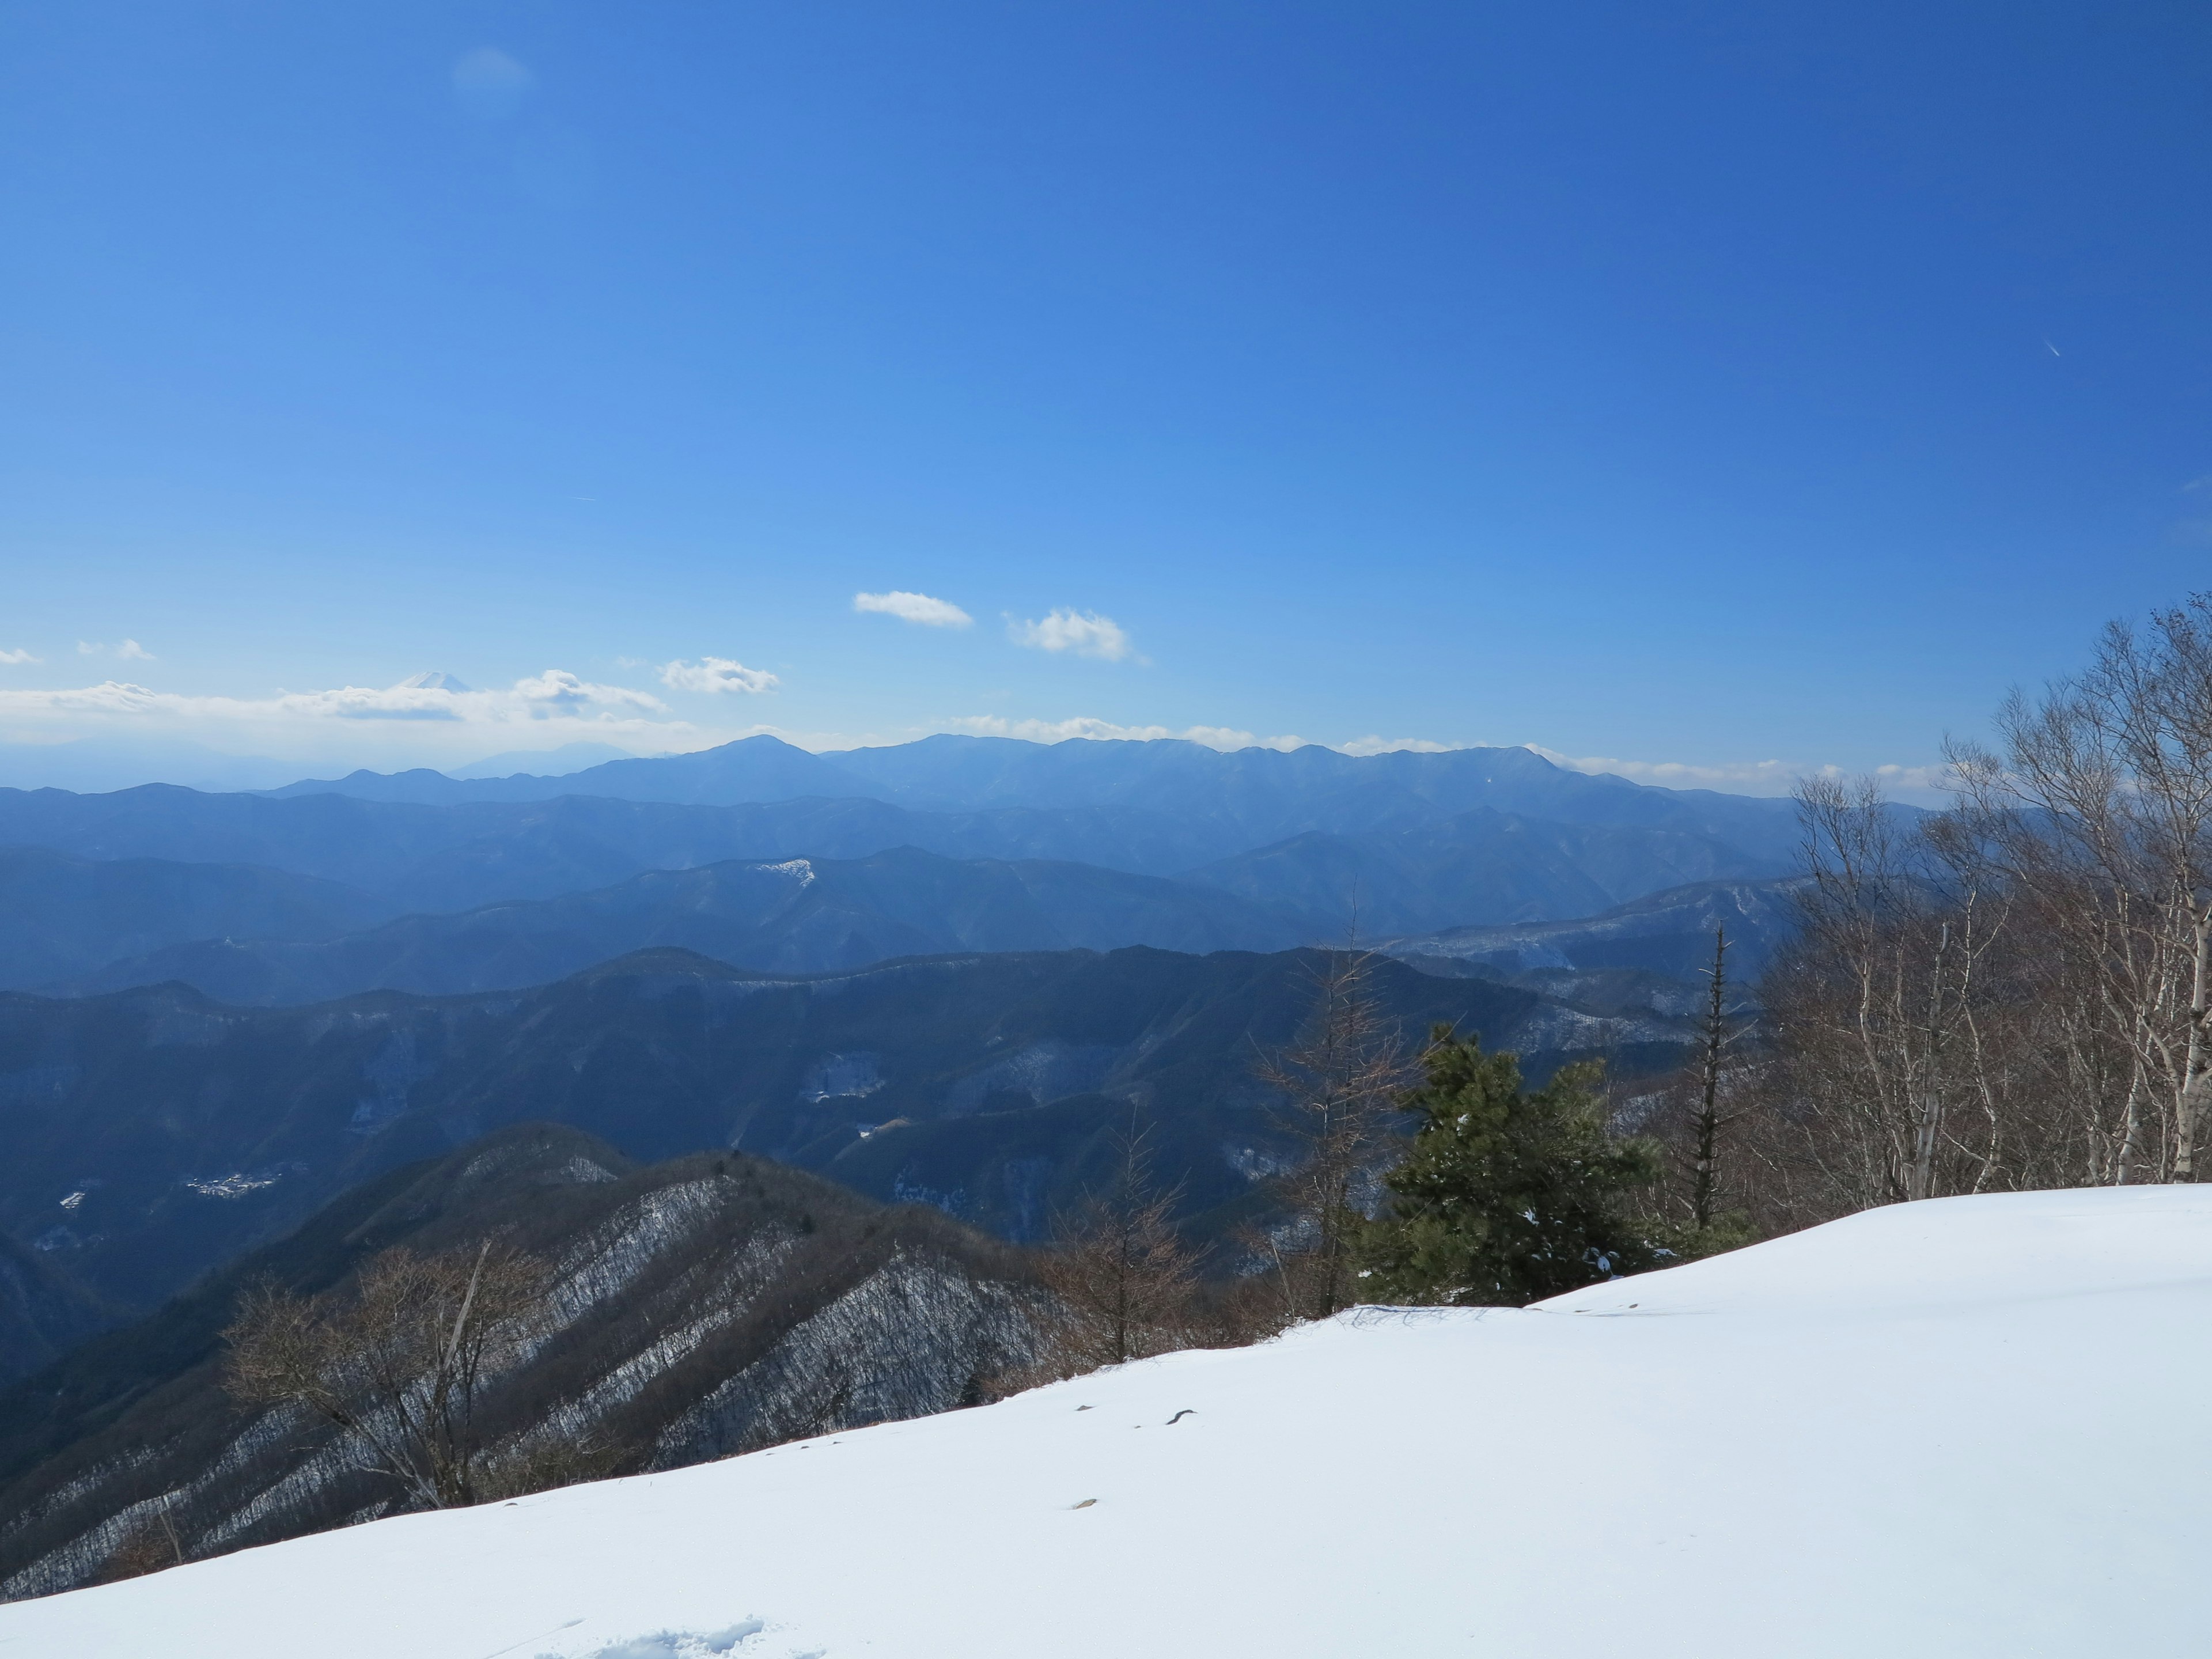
(1881, 1060)
(2018, 991)
(397, 1365)
(2097, 809)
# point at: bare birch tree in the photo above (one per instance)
(1880, 1010)
(2097, 807)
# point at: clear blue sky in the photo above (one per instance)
(1703, 384)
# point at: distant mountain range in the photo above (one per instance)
(1252, 797)
(61, 918)
(1316, 845)
(269, 998)
(795, 915)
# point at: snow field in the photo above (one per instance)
(1959, 1428)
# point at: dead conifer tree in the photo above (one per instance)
(399, 1363)
(1340, 1083)
(1717, 1034)
(1119, 1269)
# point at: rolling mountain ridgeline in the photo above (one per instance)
(1247, 797)
(795, 915)
(62, 917)
(456, 857)
(1313, 844)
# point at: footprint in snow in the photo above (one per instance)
(736, 1641)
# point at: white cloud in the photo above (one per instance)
(1767, 777)
(554, 695)
(1097, 731)
(434, 721)
(716, 674)
(1395, 746)
(1085, 633)
(913, 608)
(15, 657)
(128, 650)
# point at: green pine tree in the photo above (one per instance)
(1509, 1194)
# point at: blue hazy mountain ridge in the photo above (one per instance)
(1669, 933)
(749, 770)
(1241, 798)
(458, 856)
(62, 916)
(1485, 864)
(557, 762)
(798, 915)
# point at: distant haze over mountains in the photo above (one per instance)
(772, 858)
(1257, 795)
(939, 973)
(322, 888)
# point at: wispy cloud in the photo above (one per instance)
(1767, 777)
(717, 674)
(1084, 726)
(13, 658)
(556, 694)
(128, 650)
(1396, 746)
(489, 84)
(913, 608)
(1085, 633)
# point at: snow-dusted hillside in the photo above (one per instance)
(1966, 1427)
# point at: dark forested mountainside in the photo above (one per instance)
(701, 1307)
(43, 1310)
(796, 916)
(154, 1134)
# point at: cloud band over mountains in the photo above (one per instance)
(434, 720)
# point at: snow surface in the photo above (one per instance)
(1971, 1426)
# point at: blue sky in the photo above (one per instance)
(1683, 386)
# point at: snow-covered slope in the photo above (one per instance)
(1966, 1427)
